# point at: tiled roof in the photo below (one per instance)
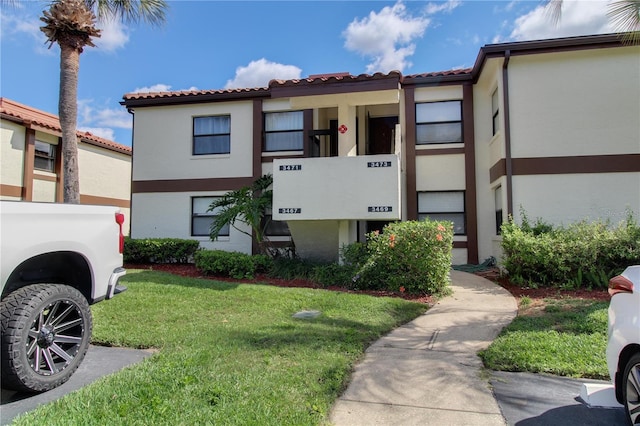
(24, 114)
(335, 78)
(449, 73)
(190, 93)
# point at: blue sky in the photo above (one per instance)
(222, 44)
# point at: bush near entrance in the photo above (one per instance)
(583, 254)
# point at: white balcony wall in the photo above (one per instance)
(337, 188)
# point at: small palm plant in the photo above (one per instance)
(246, 205)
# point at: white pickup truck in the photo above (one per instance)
(56, 260)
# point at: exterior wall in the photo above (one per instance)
(576, 103)
(168, 215)
(12, 137)
(163, 139)
(105, 174)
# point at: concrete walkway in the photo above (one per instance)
(427, 371)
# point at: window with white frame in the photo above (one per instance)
(443, 205)
(212, 135)
(284, 131)
(202, 218)
(498, 203)
(439, 122)
(45, 157)
(495, 111)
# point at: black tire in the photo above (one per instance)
(631, 389)
(45, 335)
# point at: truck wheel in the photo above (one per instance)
(45, 335)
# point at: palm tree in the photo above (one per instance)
(623, 14)
(72, 24)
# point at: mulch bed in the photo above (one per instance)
(189, 270)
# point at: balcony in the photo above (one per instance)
(337, 188)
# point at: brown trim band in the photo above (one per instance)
(104, 201)
(190, 185)
(10, 190)
(461, 245)
(278, 157)
(45, 178)
(498, 170)
(440, 151)
(410, 152)
(617, 163)
(471, 207)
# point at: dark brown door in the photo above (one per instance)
(381, 135)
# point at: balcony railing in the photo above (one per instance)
(337, 188)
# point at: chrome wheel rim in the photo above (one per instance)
(633, 394)
(54, 337)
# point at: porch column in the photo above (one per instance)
(347, 130)
(344, 236)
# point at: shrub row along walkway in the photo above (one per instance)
(427, 371)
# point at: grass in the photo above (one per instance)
(227, 353)
(566, 337)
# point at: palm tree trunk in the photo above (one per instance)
(68, 112)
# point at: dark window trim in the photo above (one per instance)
(464, 207)
(266, 132)
(427, 123)
(496, 112)
(206, 214)
(194, 136)
(50, 157)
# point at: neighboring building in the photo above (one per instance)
(31, 159)
(551, 127)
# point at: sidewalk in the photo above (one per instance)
(427, 371)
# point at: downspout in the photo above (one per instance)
(507, 131)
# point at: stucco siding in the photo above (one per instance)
(164, 137)
(563, 199)
(575, 103)
(104, 173)
(440, 172)
(12, 153)
(168, 215)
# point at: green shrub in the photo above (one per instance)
(412, 257)
(159, 250)
(583, 254)
(226, 263)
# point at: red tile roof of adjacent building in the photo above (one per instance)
(191, 93)
(15, 111)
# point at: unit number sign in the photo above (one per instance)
(290, 210)
(379, 209)
(290, 167)
(376, 164)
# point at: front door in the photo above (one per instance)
(381, 135)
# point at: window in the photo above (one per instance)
(45, 157)
(498, 203)
(495, 110)
(201, 218)
(283, 131)
(439, 122)
(212, 135)
(443, 206)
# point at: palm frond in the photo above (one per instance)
(131, 11)
(553, 9)
(625, 16)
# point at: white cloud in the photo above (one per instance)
(579, 17)
(112, 117)
(447, 7)
(20, 27)
(100, 132)
(113, 35)
(259, 73)
(386, 37)
(155, 88)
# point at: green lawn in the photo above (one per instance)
(566, 337)
(227, 353)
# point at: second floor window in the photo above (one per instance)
(284, 131)
(212, 135)
(495, 110)
(439, 122)
(45, 157)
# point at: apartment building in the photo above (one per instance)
(547, 127)
(31, 159)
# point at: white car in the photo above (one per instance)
(623, 348)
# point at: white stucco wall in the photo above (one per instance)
(163, 140)
(11, 153)
(575, 103)
(440, 172)
(168, 215)
(104, 173)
